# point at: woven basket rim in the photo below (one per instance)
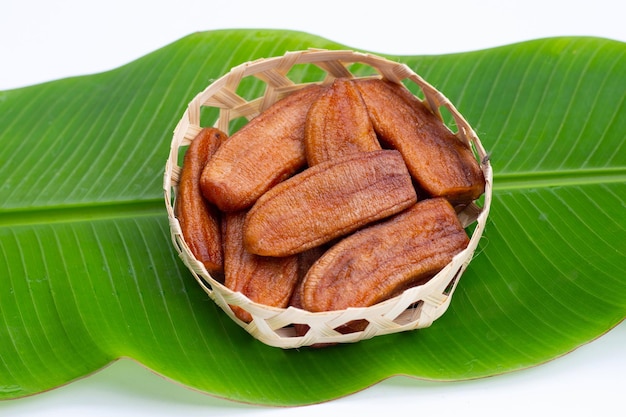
(416, 307)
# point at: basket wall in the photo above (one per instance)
(224, 102)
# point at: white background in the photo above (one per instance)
(46, 40)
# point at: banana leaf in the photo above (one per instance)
(89, 275)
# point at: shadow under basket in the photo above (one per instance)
(246, 91)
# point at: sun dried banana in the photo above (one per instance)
(442, 165)
(328, 200)
(265, 151)
(305, 260)
(199, 219)
(318, 202)
(338, 123)
(265, 280)
(382, 260)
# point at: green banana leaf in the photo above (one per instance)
(89, 273)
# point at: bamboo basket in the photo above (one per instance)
(416, 307)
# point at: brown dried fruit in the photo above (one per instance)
(338, 123)
(305, 260)
(265, 280)
(441, 164)
(381, 261)
(199, 219)
(265, 151)
(328, 200)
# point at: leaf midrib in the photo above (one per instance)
(558, 178)
(72, 213)
(155, 206)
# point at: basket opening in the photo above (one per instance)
(414, 88)
(250, 88)
(181, 154)
(236, 124)
(205, 283)
(450, 286)
(448, 119)
(286, 332)
(410, 315)
(362, 70)
(300, 330)
(353, 326)
(209, 115)
(306, 73)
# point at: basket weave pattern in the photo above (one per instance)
(416, 307)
